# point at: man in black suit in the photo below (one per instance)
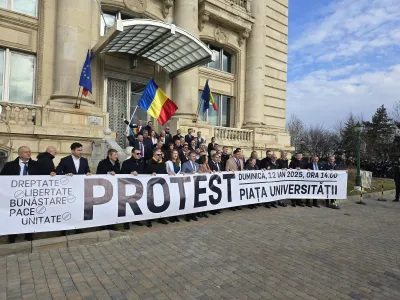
(211, 145)
(145, 147)
(315, 166)
(215, 162)
(74, 164)
(177, 136)
(331, 166)
(110, 165)
(298, 164)
(23, 165)
(168, 136)
(184, 153)
(149, 126)
(45, 161)
(396, 178)
(154, 166)
(264, 164)
(189, 137)
(134, 165)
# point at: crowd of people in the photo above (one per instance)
(163, 153)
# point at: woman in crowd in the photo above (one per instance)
(203, 168)
(174, 167)
(168, 151)
(153, 137)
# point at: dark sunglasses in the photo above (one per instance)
(158, 154)
(138, 153)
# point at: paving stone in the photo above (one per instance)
(49, 244)
(284, 253)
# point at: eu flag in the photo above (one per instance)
(86, 76)
(207, 98)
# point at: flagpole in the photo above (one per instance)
(198, 110)
(130, 121)
(77, 96)
(80, 101)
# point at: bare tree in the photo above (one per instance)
(319, 141)
(296, 128)
(395, 113)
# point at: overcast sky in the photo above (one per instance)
(344, 56)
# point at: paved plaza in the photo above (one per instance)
(284, 253)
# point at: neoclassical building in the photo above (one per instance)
(240, 46)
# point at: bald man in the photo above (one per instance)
(45, 161)
(23, 165)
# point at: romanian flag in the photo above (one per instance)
(208, 97)
(156, 103)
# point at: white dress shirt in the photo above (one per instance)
(21, 168)
(77, 162)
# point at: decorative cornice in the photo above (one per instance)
(167, 4)
(243, 36)
(234, 17)
(203, 19)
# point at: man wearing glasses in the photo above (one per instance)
(184, 153)
(154, 166)
(133, 165)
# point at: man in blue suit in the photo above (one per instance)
(191, 166)
(74, 164)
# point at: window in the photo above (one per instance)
(26, 7)
(220, 117)
(136, 93)
(17, 76)
(108, 19)
(223, 60)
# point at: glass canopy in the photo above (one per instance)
(169, 46)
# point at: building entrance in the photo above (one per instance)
(122, 98)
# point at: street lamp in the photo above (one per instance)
(358, 129)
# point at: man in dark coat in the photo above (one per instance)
(155, 166)
(74, 164)
(396, 177)
(266, 160)
(144, 146)
(315, 166)
(298, 164)
(133, 165)
(211, 145)
(45, 161)
(283, 162)
(331, 166)
(110, 165)
(23, 165)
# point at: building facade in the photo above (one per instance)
(43, 45)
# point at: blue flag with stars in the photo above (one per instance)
(86, 76)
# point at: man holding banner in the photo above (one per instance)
(23, 165)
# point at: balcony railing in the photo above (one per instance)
(21, 114)
(242, 3)
(233, 134)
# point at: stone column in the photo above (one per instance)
(255, 68)
(73, 39)
(185, 87)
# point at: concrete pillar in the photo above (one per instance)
(255, 68)
(185, 87)
(73, 39)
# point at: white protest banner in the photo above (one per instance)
(44, 203)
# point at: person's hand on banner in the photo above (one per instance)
(70, 174)
(88, 174)
(111, 173)
(171, 173)
(154, 174)
(52, 174)
(134, 173)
